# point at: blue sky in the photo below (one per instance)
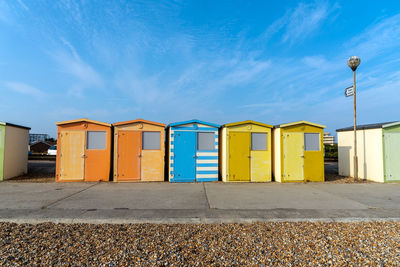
(218, 61)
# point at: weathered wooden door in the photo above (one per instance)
(239, 156)
(260, 159)
(72, 155)
(129, 153)
(184, 156)
(392, 156)
(293, 156)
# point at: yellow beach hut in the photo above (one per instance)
(245, 152)
(298, 154)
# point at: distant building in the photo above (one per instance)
(40, 147)
(38, 137)
(329, 139)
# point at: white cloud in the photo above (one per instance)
(71, 48)
(272, 88)
(82, 71)
(83, 74)
(299, 23)
(175, 72)
(315, 61)
(377, 39)
(24, 88)
(304, 20)
(72, 8)
(22, 4)
(245, 71)
(4, 12)
(143, 90)
(314, 86)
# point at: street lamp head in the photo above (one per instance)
(353, 62)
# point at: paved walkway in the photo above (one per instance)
(198, 202)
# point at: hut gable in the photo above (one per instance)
(138, 121)
(193, 124)
(247, 122)
(83, 120)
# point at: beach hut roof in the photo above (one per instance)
(138, 120)
(14, 125)
(299, 122)
(247, 122)
(194, 121)
(369, 126)
(83, 120)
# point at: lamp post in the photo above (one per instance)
(353, 63)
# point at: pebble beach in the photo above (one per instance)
(283, 243)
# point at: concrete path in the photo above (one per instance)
(197, 202)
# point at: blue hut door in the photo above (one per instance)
(184, 156)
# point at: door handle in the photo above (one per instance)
(83, 156)
(194, 156)
(139, 155)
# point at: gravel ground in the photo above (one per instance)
(32, 179)
(332, 176)
(289, 244)
(337, 179)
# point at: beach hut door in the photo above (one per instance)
(129, 155)
(185, 156)
(293, 156)
(72, 156)
(239, 156)
(392, 156)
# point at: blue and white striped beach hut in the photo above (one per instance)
(192, 151)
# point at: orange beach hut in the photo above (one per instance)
(84, 151)
(138, 151)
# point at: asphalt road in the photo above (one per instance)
(197, 202)
(194, 202)
(331, 167)
(41, 167)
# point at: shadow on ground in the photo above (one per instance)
(39, 171)
(44, 171)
